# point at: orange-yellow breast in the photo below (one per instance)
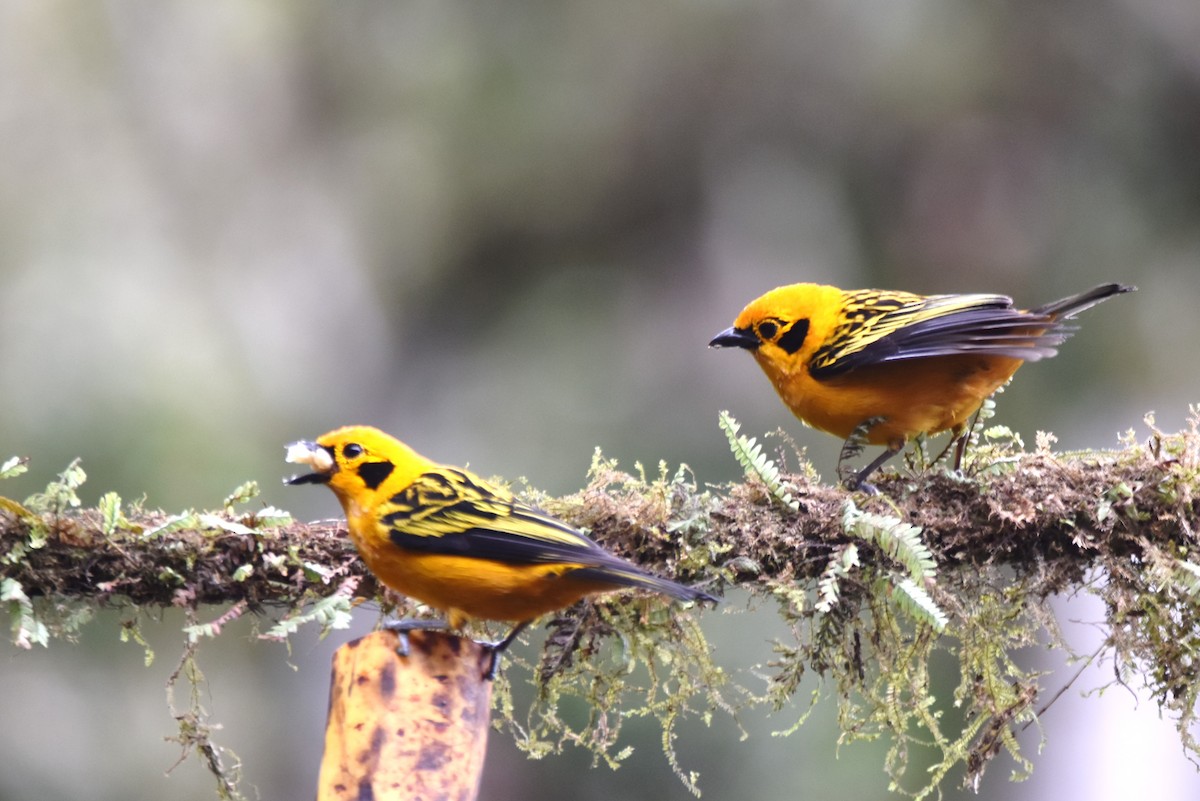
(919, 396)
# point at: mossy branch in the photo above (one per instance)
(977, 556)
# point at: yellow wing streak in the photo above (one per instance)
(870, 316)
(449, 511)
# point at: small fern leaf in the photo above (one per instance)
(755, 463)
(1187, 576)
(912, 598)
(899, 540)
(828, 589)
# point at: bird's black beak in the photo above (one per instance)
(307, 478)
(735, 338)
(313, 455)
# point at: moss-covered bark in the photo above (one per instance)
(873, 587)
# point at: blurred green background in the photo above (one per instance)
(505, 233)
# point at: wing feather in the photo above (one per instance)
(904, 326)
(449, 511)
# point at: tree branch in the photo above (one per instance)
(1016, 530)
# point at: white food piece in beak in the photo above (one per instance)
(310, 454)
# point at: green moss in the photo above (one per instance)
(953, 570)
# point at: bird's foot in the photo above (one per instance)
(848, 477)
(404, 626)
(499, 647)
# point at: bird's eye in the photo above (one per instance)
(767, 329)
(352, 451)
(793, 339)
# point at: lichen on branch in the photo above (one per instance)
(872, 587)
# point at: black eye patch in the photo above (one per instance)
(374, 473)
(793, 338)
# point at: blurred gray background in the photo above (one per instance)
(505, 234)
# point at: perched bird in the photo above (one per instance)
(450, 539)
(880, 367)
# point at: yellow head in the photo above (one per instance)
(784, 327)
(354, 461)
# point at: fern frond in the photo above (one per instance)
(912, 598)
(899, 540)
(27, 629)
(827, 587)
(1187, 575)
(110, 512)
(755, 463)
(332, 612)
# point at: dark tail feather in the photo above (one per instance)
(632, 577)
(1069, 307)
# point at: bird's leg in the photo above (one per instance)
(852, 447)
(854, 444)
(403, 627)
(500, 646)
(960, 438)
(960, 447)
(859, 480)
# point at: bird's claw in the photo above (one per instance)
(403, 627)
(495, 649)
